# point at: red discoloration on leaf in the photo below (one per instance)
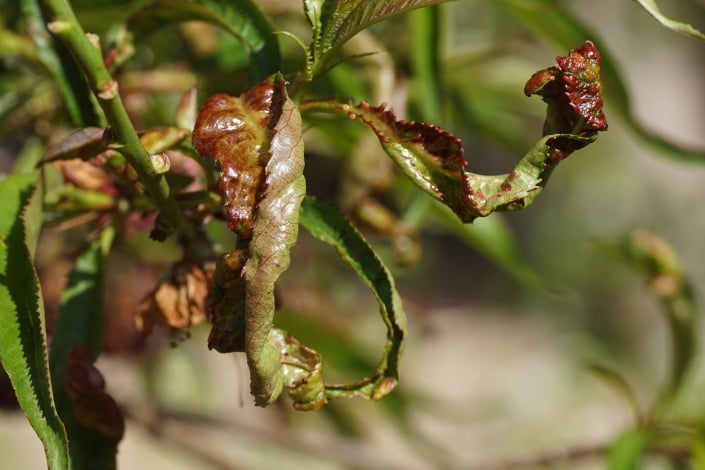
(573, 92)
(92, 407)
(236, 132)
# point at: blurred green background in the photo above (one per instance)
(495, 365)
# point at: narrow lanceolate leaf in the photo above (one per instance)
(434, 159)
(670, 284)
(240, 18)
(334, 23)
(22, 335)
(93, 425)
(677, 26)
(257, 140)
(328, 225)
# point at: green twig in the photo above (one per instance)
(86, 51)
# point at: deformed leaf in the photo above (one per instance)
(237, 133)
(328, 225)
(434, 160)
(22, 337)
(257, 140)
(677, 26)
(303, 371)
(556, 24)
(240, 18)
(335, 22)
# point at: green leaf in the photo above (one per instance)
(328, 225)
(335, 22)
(22, 335)
(433, 159)
(241, 18)
(562, 29)
(677, 26)
(80, 325)
(626, 452)
(670, 284)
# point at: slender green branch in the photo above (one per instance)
(86, 51)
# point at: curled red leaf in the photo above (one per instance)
(236, 132)
(573, 92)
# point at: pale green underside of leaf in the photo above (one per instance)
(240, 18)
(329, 226)
(555, 24)
(274, 232)
(80, 322)
(677, 26)
(22, 336)
(335, 22)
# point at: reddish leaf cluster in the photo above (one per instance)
(573, 91)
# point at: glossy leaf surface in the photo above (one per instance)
(329, 226)
(22, 337)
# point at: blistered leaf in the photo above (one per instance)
(22, 336)
(302, 369)
(257, 140)
(335, 22)
(573, 92)
(237, 133)
(328, 225)
(434, 160)
(677, 26)
(548, 20)
(670, 284)
(240, 18)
